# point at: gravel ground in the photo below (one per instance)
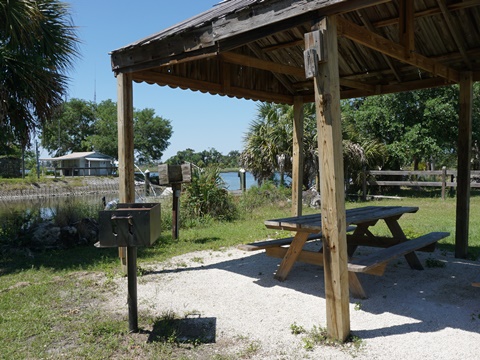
(429, 314)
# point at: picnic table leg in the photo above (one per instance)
(360, 230)
(291, 255)
(356, 288)
(397, 231)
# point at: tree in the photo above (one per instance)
(105, 135)
(271, 135)
(151, 132)
(210, 157)
(38, 44)
(151, 135)
(70, 129)
(416, 127)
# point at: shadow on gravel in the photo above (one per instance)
(440, 296)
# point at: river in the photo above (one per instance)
(46, 206)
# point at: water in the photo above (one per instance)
(232, 180)
(47, 206)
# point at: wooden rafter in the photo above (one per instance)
(371, 28)
(378, 43)
(429, 12)
(249, 61)
(457, 37)
(284, 45)
(162, 79)
(406, 29)
(268, 57)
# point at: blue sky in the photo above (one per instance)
(199, 121)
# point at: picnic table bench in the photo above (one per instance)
(308, 228)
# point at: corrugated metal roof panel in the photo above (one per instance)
(217, 11)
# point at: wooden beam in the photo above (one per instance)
(256, 63)
(284, 45)
(429, 12)
(284, 80)
(457, 37)
(358, 85)
(378, 43)
(395, 88)
(297, 166)
(366, 22)
(125, 138)
(406, 28)
(464, 156)
(163, 79)
(327, 105)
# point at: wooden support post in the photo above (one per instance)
(125, 146)
(176, 190)
(297, 166)
(463, 168)
(147, 183)
(444, 182)
(327, 103)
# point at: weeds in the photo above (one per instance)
(318, 336)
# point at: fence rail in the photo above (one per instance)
(447, 178)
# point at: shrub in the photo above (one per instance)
(206, 196)
(267, 194)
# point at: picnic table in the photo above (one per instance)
(308, 228)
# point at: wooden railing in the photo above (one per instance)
(446, 179)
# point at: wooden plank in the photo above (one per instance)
(308, 257)
(378, 43)
(429, 12)
(327, 104)
(457, 36)
(380, 241)
(297, 163)
(261, 245)
(464, 155)
(363, 264)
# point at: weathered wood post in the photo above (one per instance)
(174, 176)
(147, 183)
(444, 182)
(321, 63)
(297, 163)
(463, 168)
(364, 183)
(243, 181)
(126, 173)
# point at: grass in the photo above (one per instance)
(51, 303)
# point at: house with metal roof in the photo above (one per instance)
(90, 163)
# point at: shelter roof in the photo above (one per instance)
(254, 49)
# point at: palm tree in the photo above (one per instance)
(38, 44)
(271, 134)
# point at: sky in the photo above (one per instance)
(199, 121)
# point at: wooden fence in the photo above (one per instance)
(445, 179)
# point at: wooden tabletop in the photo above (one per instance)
(312, 223)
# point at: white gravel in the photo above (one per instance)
(429, 314)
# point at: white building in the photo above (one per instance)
(90, 163)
